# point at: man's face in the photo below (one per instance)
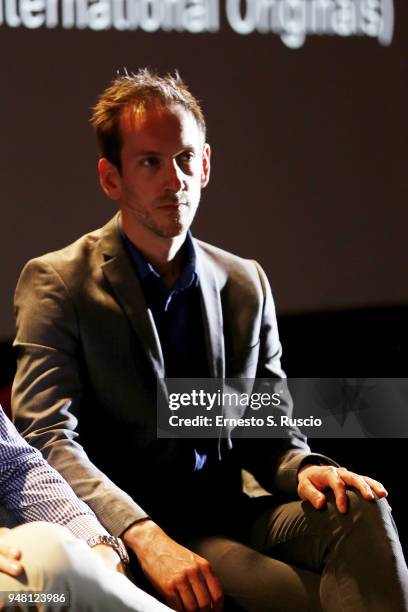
(165, 164)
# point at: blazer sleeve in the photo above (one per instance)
(275, 462)
(47, 392)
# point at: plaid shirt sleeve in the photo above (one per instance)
(32, 490)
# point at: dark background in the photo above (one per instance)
(309, 178)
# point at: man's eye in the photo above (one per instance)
(186, 157)
(150, 161)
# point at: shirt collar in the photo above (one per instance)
(144, 268)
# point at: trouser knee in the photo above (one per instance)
(370, 513)
(46, 534)
(365, 520)
(46, 540)
(43, 556)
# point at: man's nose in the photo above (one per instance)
(174, 176)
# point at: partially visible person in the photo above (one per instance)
(48, 548)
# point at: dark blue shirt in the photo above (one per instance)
(178, 317)
(177, 313)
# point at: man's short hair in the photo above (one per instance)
(138, 90)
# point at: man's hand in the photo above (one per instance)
(109, 556)
(9, 557)
(183, 578)
(313, 479)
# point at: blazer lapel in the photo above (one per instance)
(212, 311)
(118, 271)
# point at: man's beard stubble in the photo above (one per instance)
(175, 224)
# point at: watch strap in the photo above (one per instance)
(110, 540)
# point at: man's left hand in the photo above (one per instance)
(314, 479)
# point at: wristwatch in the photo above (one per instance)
(115, 543)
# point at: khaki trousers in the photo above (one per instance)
(54, 561)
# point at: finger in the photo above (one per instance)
(202, 593)
(215, 589)
(309, 492)
(376, 486)
(10, 551)
(186, 592)
(337, 484)
(173, 601)
(9, 566)
(358, 482)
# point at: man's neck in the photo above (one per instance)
(163, 253)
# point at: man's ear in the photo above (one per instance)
(110, 179)
(206, 165)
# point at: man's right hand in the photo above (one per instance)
(183, 578)
(9, 557)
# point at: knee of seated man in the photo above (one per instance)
(362, 513)
(49, 543)
(47, 535)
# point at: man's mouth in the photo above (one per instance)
(173, 204)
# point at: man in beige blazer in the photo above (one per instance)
(99, 322)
